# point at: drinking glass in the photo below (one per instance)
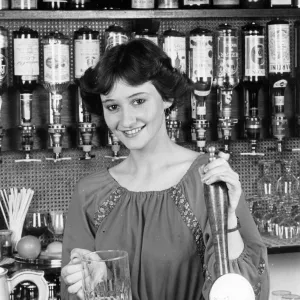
(35, 223)
(105, 275)
(290, 297)
(287, 184)
(267, 197)
(277, 295)
(57, 224)
(287, 187)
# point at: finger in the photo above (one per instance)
(77, 253)
(70, 269)
(72, 278)
(74, 288)
(80, 294)
(227, 177)
(224, 155)
(215, 163)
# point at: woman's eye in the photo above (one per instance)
(139, 101)
(112, 107)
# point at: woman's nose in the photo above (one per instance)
(128, 118)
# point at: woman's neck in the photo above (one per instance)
(156, 154)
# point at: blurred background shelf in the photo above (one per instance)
(147, 14)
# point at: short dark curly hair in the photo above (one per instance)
(135, 62)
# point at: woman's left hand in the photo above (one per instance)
(220, 170)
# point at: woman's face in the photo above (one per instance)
(135, 114)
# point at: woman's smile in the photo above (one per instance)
(132, 132)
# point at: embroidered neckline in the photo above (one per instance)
(167, 190)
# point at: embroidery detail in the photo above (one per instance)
(262, 266)
(107, 206)
(189, 218)
(207, 275)
(257, 289)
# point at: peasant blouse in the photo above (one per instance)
(166, 234)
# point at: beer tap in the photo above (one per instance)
(87, 53)
(56, 81)
(201, 72)
(254, 75)
(3, 74)
(227, 285)
(26, 72)
(114, 143)
(227, 57)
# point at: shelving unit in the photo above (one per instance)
(60, 179)
(148, 14)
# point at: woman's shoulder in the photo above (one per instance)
(99, 182)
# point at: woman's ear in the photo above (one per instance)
(168, 103)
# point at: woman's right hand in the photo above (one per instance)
(72, 272)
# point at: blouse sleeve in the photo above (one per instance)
(78, 233)
(253, 261)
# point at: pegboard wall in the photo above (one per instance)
(53, 183)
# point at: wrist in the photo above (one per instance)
(233, 223)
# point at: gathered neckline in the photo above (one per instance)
(158, 191)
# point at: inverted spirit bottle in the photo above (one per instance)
(227, 76)
(253, 78)
(3, 72)
(56, 79)
(174, 44)
(201, 73)
(26, 72)
(279, 74)
(87, 54)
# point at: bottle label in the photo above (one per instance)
(4, 4)
(26, 100)
(195, 2)
(201, 60)
(56, 63)
(281, 2)
(115, 38)
(226, 2)
(227, 56)
(201, 110)
(175, 47)
(26, 57)
(3, 67)
(280, 83)
(279, 100)
(279, 48)
(87, 54)
(153, 39)
(167, 3)
(3, 41)
(24, 4)
(254, 55)
(142, 4)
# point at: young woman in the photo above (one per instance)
(152, 203)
